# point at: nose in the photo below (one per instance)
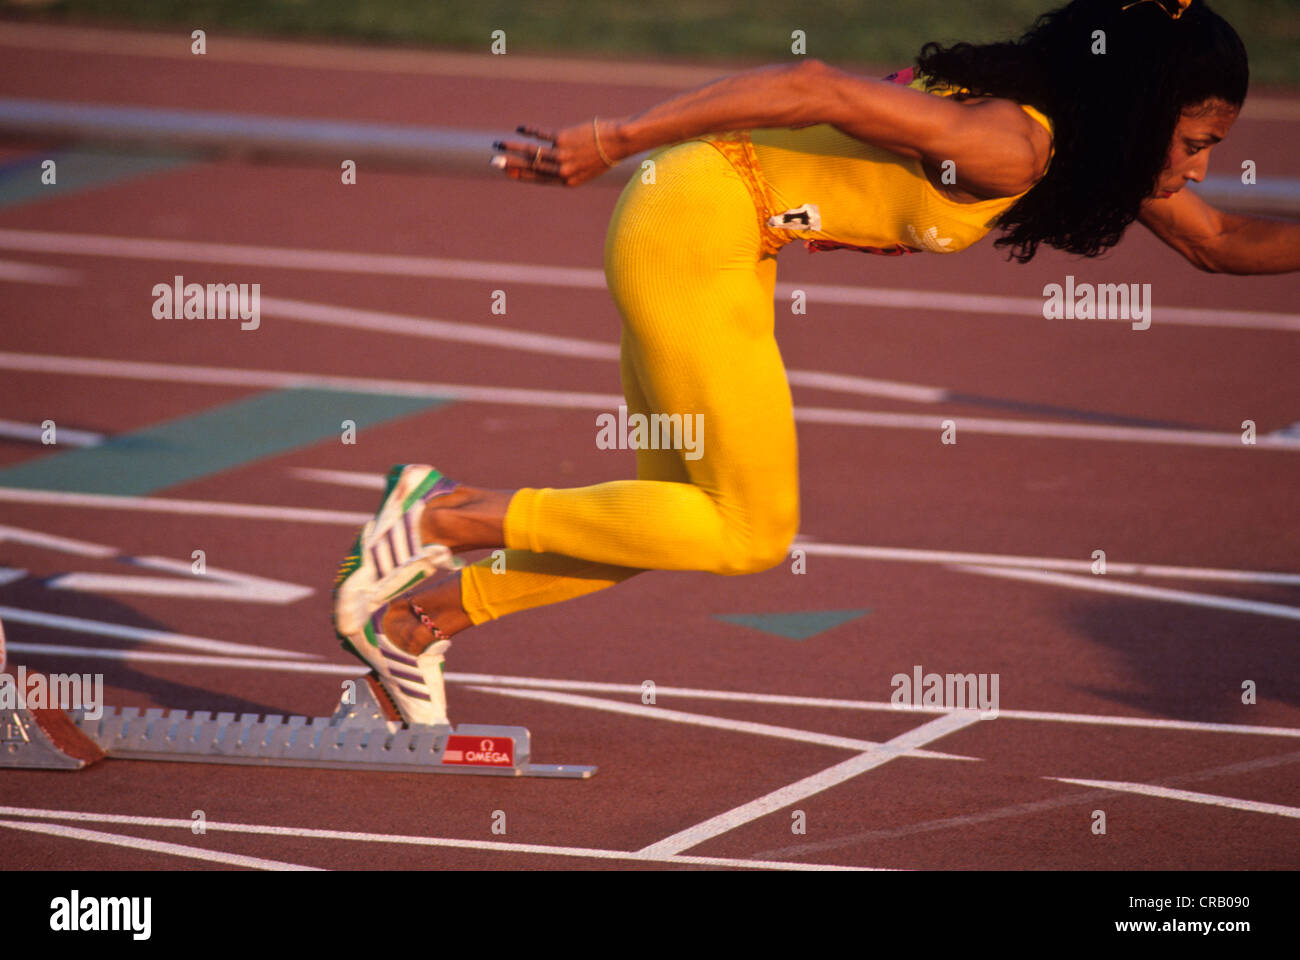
(1199, 166)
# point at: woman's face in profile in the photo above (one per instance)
(1199, 128)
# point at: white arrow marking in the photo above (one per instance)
(102, 628)
(214, 584)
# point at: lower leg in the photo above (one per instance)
(471, 518)
(507, 583)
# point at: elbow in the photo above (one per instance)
(1204, 258)
(811, 87)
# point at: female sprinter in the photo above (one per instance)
(1051, 141)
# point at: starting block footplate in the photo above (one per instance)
(359, 736)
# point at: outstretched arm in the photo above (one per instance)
(1219, 242)
(774, 96)
(998, 150)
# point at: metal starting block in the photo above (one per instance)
(359, 736)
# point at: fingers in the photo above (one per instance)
(534, 176)
(406, 631)
(525, 170)
(525, 161)
(535, 132)
(539, 163)
(519, 148)
(536, 158)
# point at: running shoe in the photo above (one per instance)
(387, 563)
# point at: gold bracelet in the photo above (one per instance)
(596, 134)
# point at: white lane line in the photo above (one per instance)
(400, 839)
(101, 628)
(214, 584)
(49, 541)
(515, 339)
(11, 575)
(933, 423)
(32, 273)
(152, 846)
(356, 670)
(1254, 806)
(188, 659)
(809, 786)
(283, 379)
(883, 705)
(867, 386)
(290, 258)
(344, 478)
(335, 57)
(103, 583)
(587, 278)
(1024, 307)
(1113, 568)
(205, 508)
(66, 436)
(929, 423)
(434, 329)
(645, 711)
(1100, 584)
(376, 481)
(802, 848)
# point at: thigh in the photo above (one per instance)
(720, 364)
(686, 268)
(650, 464)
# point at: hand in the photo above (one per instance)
(567, 158)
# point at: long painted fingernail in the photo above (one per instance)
(498, 162)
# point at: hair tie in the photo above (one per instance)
(1173, 8)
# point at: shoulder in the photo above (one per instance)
(1025, 135)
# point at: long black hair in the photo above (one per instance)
(1113, 113)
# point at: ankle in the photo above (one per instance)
(440, 519)
(465, 519)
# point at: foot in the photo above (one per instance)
(388, 560)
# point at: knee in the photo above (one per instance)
(764, 546)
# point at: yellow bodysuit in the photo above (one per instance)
(690, 260)
(831, 190)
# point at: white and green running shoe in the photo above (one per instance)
(388, 562)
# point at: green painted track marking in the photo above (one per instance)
(796, 626)
(78, 170)
(218, 439)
